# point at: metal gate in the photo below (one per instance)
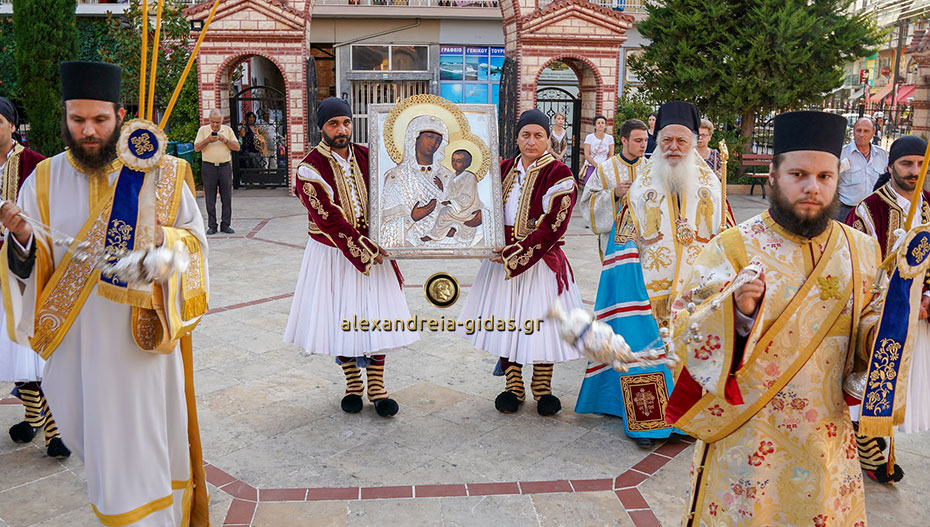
(377, 92)
(552, 100)
(262, 161)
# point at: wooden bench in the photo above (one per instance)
(754, 161)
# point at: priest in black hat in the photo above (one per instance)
(529, 274)
(345, 275)
(117, 386)
(879, 215)
(761, 381)
(673, 208)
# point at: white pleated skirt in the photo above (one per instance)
(332, 298)
(17, 363)
(917, 414)
(524, 300)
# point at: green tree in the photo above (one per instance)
(9, 80)
(126, 35)
(748, 58)
(632, 105)
(45, 35)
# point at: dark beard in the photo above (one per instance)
(92, 162)
(783, 213)
(338, 142)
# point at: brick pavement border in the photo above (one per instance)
(626, 487)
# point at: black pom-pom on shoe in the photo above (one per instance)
(386, 407)
(881, 475)
(507, 402)
(57, 449)
(22, 432)
(352, 403)
(548, 405)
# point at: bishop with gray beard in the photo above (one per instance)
(673, 209)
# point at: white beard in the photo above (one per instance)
(676, 176)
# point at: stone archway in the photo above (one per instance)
(594, 100)
(250, 28)
(535, 36)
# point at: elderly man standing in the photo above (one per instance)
(217, 142)
(674, 208)
(861, 164)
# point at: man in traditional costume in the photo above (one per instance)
(345, 277)
(122, 391)
(674, 208)
(764, 362)
(413, 190)
(19, 364)
(879, 215)
(602, 197)
(529, 274)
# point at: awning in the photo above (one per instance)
(883, 92)
(903, 93)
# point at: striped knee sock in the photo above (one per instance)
(34, 404)
(870, 452)
(354, 384)
(51, 429)
(375, 372)
(542, 380)
(514, 375)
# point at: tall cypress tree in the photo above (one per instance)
(46, 34)
(750, 57)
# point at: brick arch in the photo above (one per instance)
(587, 93)
(599, 79)
(222, 72)
(218, 81)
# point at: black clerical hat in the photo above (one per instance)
(678, 112)
(97, 81)
(332, 107)
(809, 130)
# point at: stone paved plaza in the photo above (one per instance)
(281, 453)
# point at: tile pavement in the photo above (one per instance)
(279, 451)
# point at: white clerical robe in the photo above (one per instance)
(120, 409)
(599, 205)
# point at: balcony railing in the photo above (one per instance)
(414, 3)
(627, 6)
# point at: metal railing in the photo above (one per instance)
(414, 3)
(627, 6)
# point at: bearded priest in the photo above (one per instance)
(762, 380)
(674, 208)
